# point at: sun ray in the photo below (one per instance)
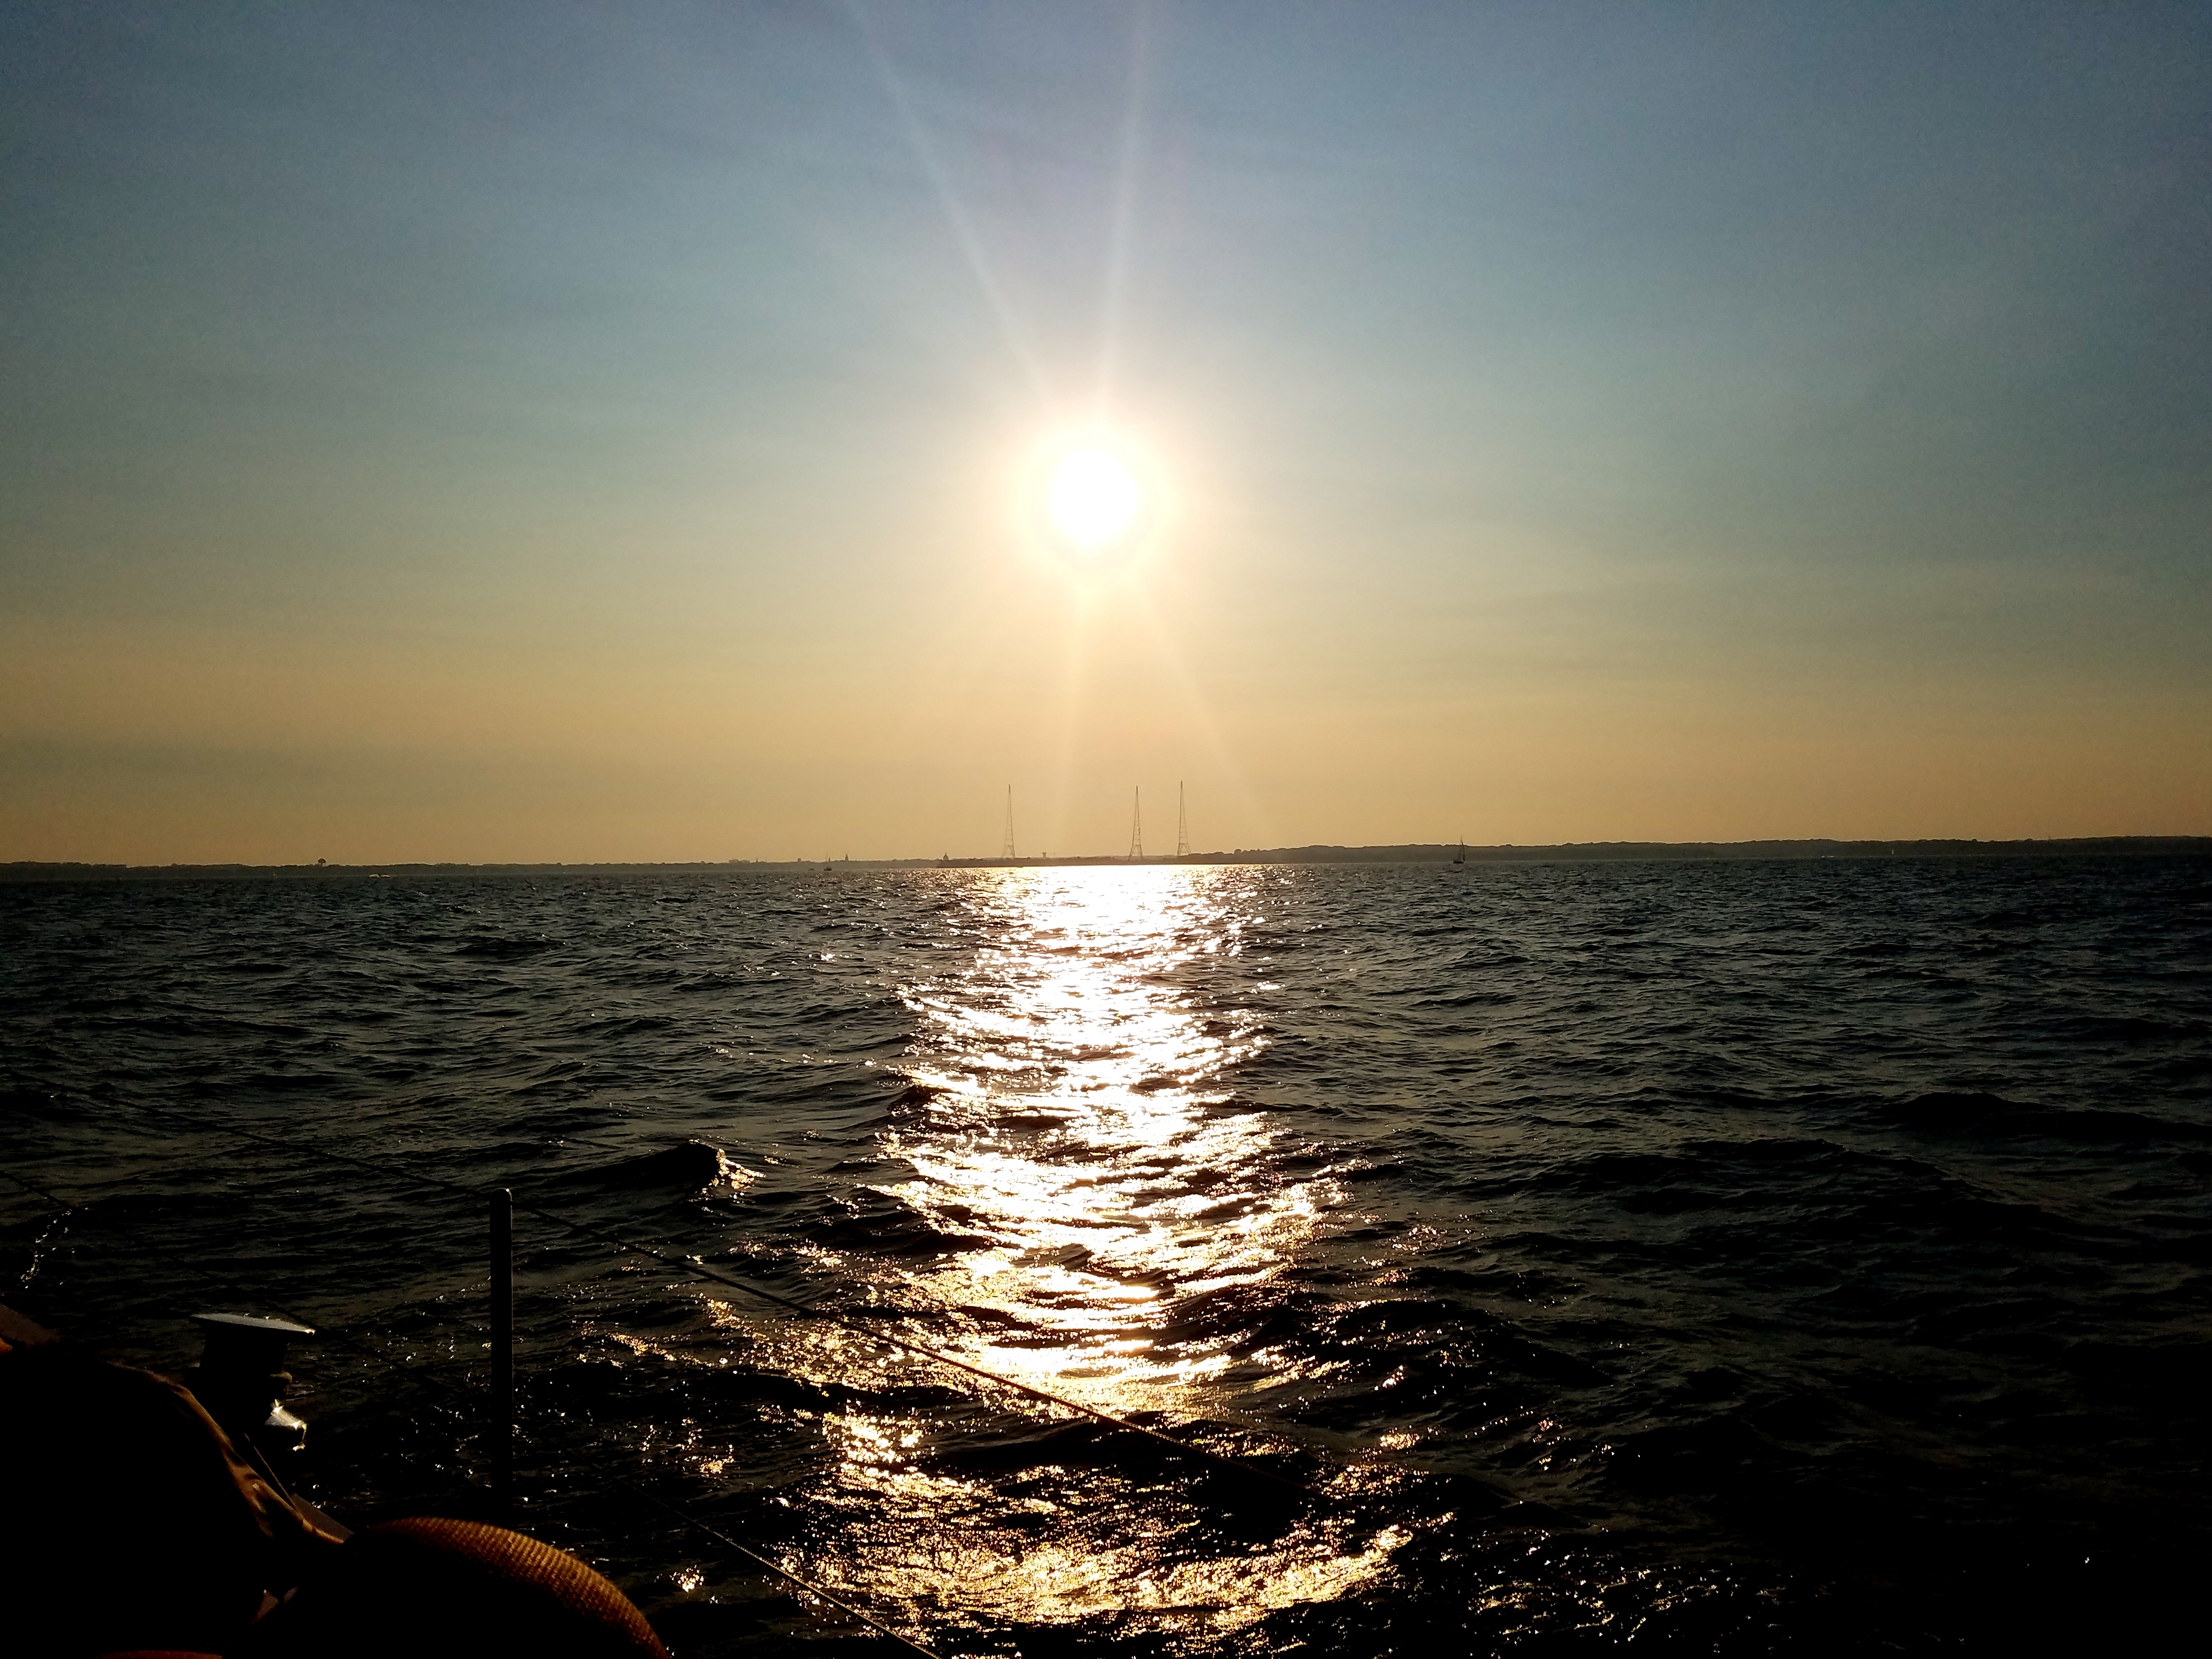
(1200, 712)
(962, 223)
(1073, 686)
(1121, 230)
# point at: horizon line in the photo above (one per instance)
(1310, 853)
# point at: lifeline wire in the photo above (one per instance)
(31, 1186)
(693, 1264)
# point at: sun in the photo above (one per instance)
(1093, 498)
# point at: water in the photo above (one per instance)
(1749, 1257)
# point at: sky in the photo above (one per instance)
(552, 432)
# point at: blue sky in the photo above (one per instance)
(589, 432)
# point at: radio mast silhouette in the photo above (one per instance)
(1136, 825)
(1009, 850)
(1183, 825)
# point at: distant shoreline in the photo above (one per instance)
(1441, 852)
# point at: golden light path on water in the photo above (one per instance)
(1081, 1129)
(1078, 1122)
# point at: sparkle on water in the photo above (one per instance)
(1451, 1188)
(1080, 1122)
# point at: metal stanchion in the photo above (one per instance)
(500, 1428)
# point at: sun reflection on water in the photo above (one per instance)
(1081, 1120)
(1079, 1130)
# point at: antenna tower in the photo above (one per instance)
(1136, 825)
(1183, 825)
(1009, 849)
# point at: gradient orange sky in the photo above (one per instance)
(571, 433)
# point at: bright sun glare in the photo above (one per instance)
(1094, 498)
